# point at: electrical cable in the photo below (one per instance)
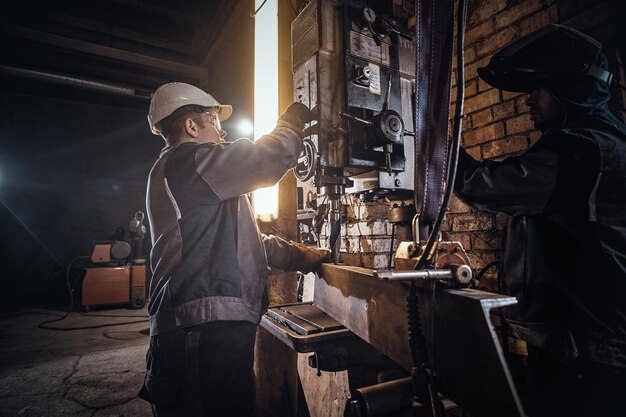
(486, 268)
(71, 288)
(254, 13)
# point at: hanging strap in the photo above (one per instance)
(434, 31)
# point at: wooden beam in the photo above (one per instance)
(106, 51)
(116, 31)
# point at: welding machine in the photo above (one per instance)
(116, 274)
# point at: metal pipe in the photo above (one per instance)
(461, 273)
(425, 274)
(387, 398)
(73, 82)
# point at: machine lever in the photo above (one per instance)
(347, 116)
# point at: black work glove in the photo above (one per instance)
(297, 115)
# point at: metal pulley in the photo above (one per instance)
(389, 126)
(307, 161)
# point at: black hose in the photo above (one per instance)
(485, 269)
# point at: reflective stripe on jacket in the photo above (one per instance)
(209, 260)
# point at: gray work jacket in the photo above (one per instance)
(209, 260)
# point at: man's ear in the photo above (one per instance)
(191, 128)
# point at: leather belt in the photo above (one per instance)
(434, 31)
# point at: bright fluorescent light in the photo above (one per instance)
(265, 93)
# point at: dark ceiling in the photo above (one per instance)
(122, 48)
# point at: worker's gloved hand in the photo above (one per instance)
(307, 259)
(297, 115)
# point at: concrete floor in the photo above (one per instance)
(91, 372)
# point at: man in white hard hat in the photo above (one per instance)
(209, 260)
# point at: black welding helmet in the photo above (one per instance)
(547, 53)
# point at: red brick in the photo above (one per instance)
(484, 134)
(519, 124)
(479, 32)
(371, 211)
(483, 86)
(520, 104)
(482, 118)
(472, 222)
(484, 9)
(457, 206)
(470, 70)
(482, 100)
(498, 41)
(508, 95)
(506, 146)
(469, 55)
(503, 110)
(486, 240)
(478, 260)
(515, 13)
(474, 152)
(470, 90)
(467, 125)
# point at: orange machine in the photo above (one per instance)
(111, 280)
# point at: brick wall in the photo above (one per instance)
(497, 124)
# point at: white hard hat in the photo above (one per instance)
(170, 97)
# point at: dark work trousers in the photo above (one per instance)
(204, 370)
(578, 388)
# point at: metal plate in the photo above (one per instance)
(300, 334)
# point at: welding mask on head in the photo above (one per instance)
(170, 97)
(554, 51)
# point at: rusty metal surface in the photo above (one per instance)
(371, 308)
(314, 316)
(463, 347)
(469, 361)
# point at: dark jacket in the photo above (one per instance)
(564, 251)
(209, 260)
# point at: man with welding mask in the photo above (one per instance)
(564, 250)
(209, 260)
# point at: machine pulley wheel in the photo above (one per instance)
(391, 126)
(307, 161)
